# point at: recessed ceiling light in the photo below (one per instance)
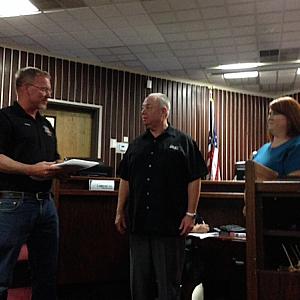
(239, 66)
(13, 8)
(237, 75)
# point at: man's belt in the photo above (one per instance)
(21, 195)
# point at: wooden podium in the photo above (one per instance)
(90, 250)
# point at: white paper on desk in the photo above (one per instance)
(202, 236)
(76, 164)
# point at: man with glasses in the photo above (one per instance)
(28, 152)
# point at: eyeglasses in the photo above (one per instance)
(42, 89)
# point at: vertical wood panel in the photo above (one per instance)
(72, 87)
(65, 80)
(97, 86)
(2, 71)
(14, 69)
(91, 84)
(7, 73)
(38, 61)
(58, 79)
(84, 86)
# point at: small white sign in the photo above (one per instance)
(121, 148)
(101, 185)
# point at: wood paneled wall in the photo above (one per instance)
(241, 122)
(241, 119)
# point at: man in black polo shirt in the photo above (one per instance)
(28, 215)
(160, 184)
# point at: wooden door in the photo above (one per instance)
(73, 131)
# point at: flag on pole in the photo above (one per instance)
(213, 163)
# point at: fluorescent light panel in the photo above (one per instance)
(238, 75)
(239, 66)
(13, 8)
(298, 71)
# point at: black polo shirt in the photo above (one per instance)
(26, 140)
(159, 171)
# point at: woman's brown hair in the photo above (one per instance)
(289, 107)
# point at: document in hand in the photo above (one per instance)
(76, 164)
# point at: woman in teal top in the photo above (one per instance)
(282, 154)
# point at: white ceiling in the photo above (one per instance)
(177, 38)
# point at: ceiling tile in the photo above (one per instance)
(107, 11)
(291, 44)
(251, 39)
(197, 35)
(217, 23)
(227, 58)
(146, 55)
(214, 12)
(164, 54)
(192, 26)
(116, 22)
(126, 57)
(292, 4)
(96, 2)
(243, 31)
(175, 37)
(241, 9)
(94, 24)
(169, 28)
(178, 73)
(220, 33)
(290, 36)
(269, 28)
(243, 21)
(130, 8)
(249, 56)
(8, 30)
(293, 15)
(139, 48)
(139, 20)
(164, 17)
(179, 4)
(156, 6)
(158, 47)
(211, 3)
(286, 76)
(101, 51)
(224, 50)
(120, 50)
(269, 18)
(60, 16)
(188, 15)
(269, 6)
(247, 48)
(293, 26)
(223, 42)
(83, 13)
(267, 77)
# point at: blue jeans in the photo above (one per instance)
(34, 222)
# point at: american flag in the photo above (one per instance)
(213, 163)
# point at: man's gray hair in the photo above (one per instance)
(28, 74)
(163, 100)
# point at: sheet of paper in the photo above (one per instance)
(204, 235)
(76, 164)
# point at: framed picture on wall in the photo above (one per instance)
(52, 120)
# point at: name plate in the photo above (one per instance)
(101, 185)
